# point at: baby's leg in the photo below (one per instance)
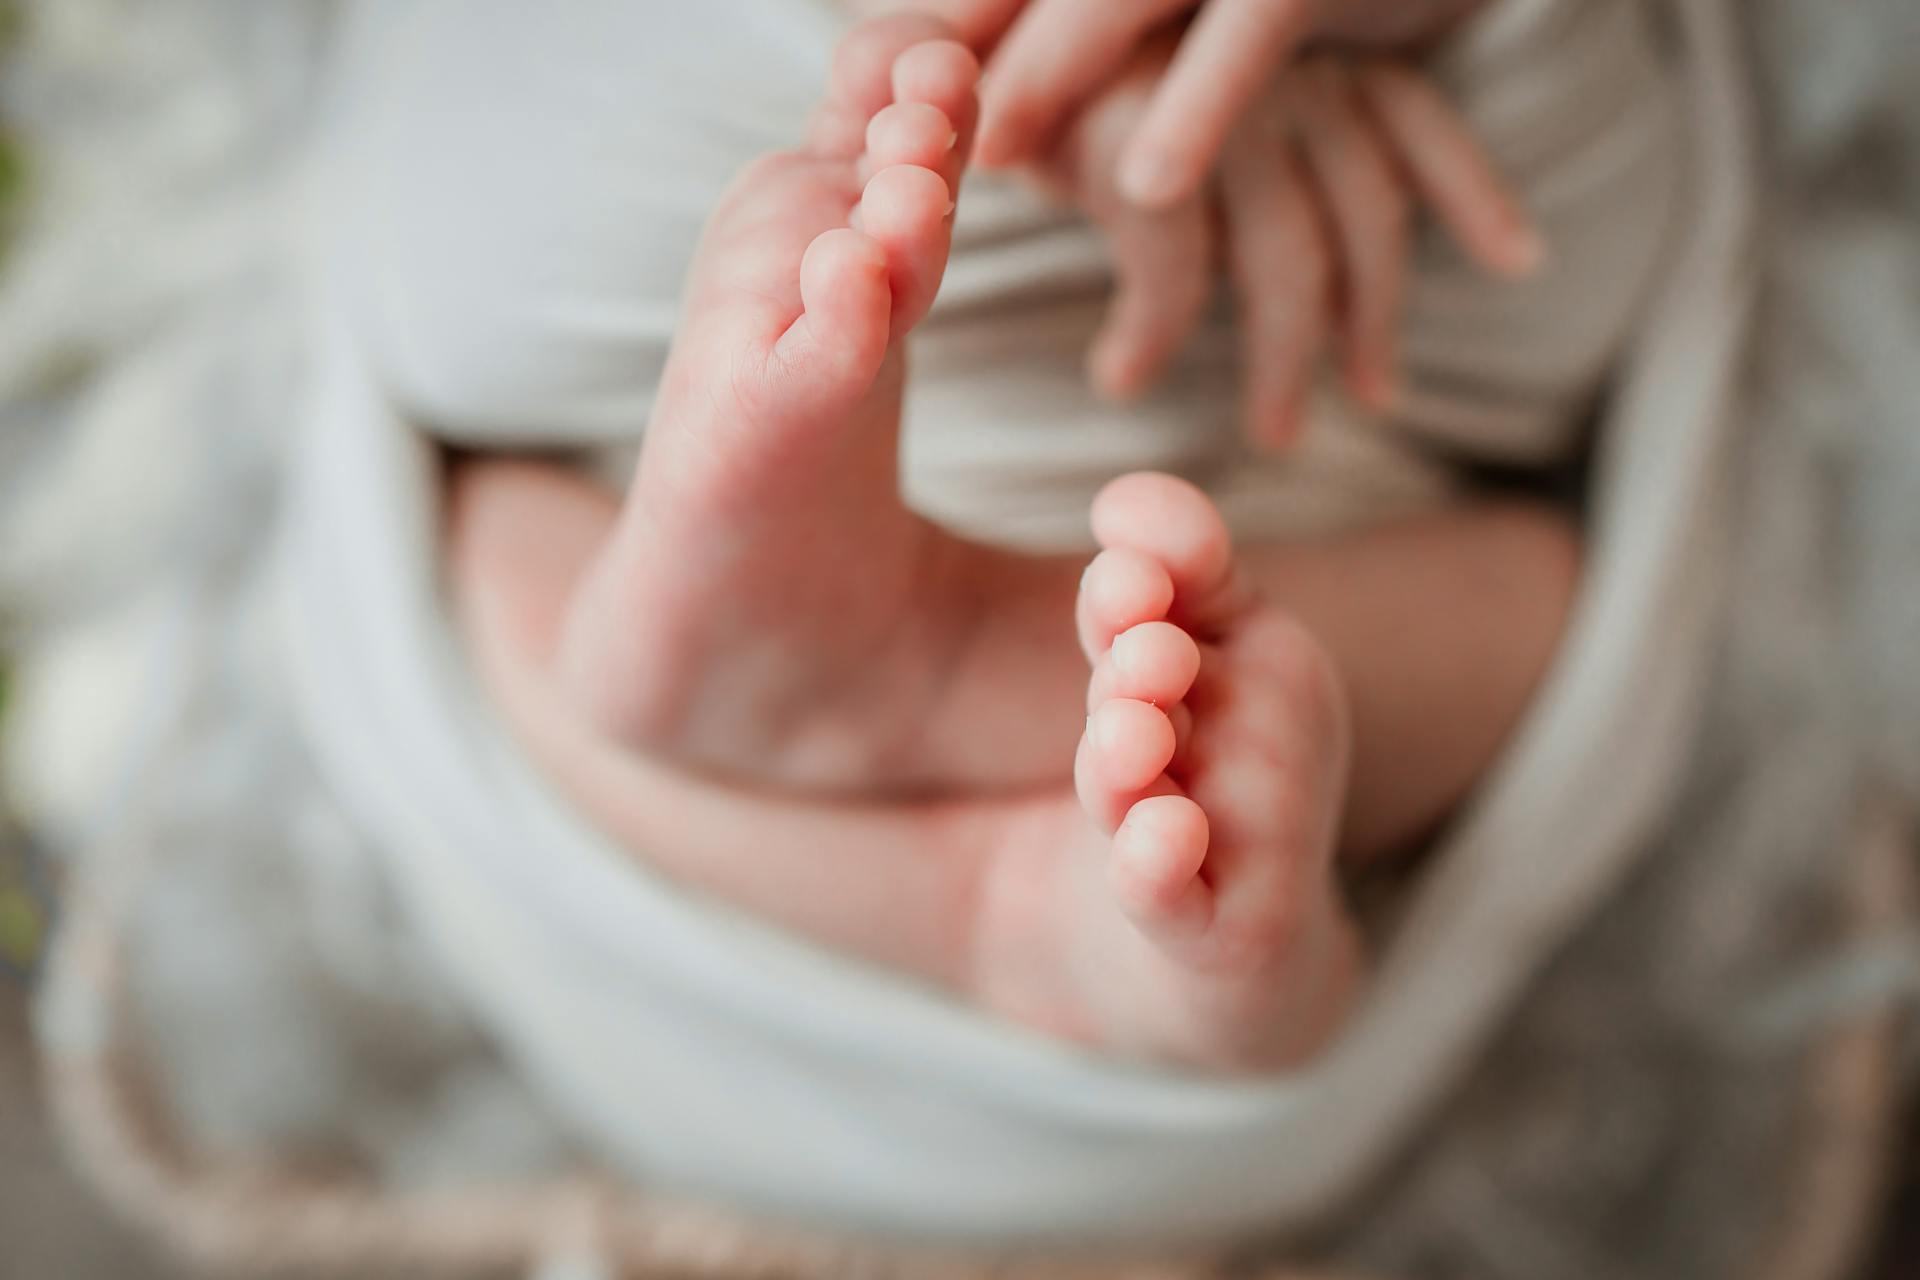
(764, 604)
(767, 608)
(1219, 748)
(1443, 626)
(1428, 637)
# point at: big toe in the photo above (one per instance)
(832, 352)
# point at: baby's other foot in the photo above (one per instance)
(768, 608)
(1214, 768)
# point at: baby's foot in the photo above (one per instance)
(1215, 765)
(768, 607)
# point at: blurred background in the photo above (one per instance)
(49, 1224)
(146, 146)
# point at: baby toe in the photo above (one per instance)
(905, 208)
(1123, 756)
(1119, 590)
(914, 133)
(862, 76)
(942, 74)
(1130, 744)
(836, 346)
(860, 80)
(1155, 662)
(1154, 873)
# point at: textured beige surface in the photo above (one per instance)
(50, 1228)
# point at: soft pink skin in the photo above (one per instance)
(771, 461)
(1300, 175)
(1311, 213)
(934, 634)
(1216, 756)
(763, 607)
(1176, 904)
(1051, 57)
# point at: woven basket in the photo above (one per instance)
(253, 1220)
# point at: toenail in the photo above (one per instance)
(1104, 733)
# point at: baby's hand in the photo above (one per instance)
(1053, 56)
(1310, 213)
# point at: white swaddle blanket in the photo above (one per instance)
(526, 193)
(704, 1052)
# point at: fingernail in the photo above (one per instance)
(1150, 178)
(1529, 250)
